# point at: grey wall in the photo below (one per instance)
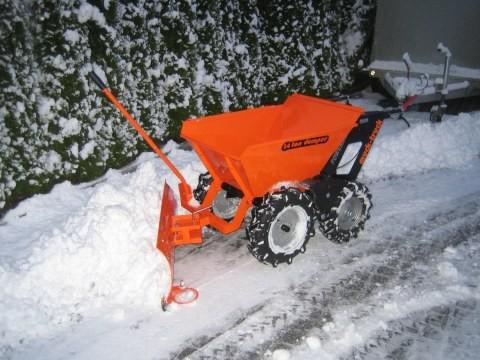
(417, 26)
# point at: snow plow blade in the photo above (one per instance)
(174, 230)
(165, 238)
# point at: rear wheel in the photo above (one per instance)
(281, 226)
(347, 216)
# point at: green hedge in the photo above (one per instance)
(167, 60)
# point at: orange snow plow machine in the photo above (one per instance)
(285, 166)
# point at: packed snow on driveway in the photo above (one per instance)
(80, 276)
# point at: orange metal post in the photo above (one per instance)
(143, 134)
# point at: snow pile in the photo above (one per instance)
(99, 257)
(452, 143)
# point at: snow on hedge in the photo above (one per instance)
(167, 61)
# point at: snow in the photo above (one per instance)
(51, 161)
(345, 334)
(72, 36)
(74, 149)
(353, 40)
(20, 107)
(87, 149)
(313, 342)
(44, 107)
(69, 126)
(87, 12)
(60, 64)
(453, 143)
(201, 76)
(241, 49)
(448, 270)
(98, 253)
(281, 354)
(79, 265)
(106, 4)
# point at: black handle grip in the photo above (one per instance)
(96, 79)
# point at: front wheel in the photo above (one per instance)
(281, 226)
(347, 216)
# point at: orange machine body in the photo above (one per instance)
(257, 150)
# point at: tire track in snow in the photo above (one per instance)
(439, 330)
(291, 314)
(420, 333)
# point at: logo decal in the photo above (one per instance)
(371, 139)
(291, 145)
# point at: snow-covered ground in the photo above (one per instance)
(80, 277)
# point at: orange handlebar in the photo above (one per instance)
(137, 126)
(143, 134)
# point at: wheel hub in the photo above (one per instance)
(349, 213)
(288, 230)
(225, 207)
